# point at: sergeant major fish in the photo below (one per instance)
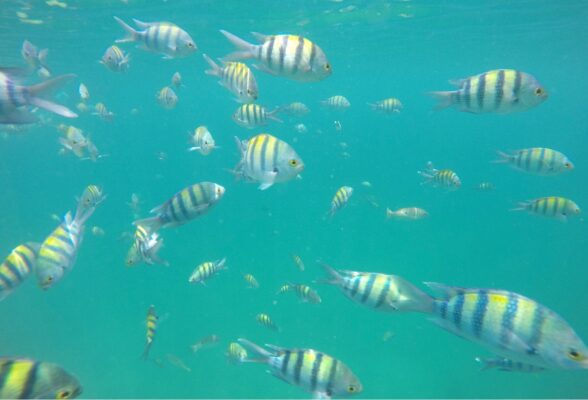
(407, 213)
(537, 160)
(236, 353)
(176, 80)
(145, 247)
(236, 77)
(17, 267)
(267, 321)
(151, 326)
(340, 199)
(338, 102)
(115, 59)
(304, 292)
(37, 59)
(445, 178)
(559, 208)
(207, 270)
(505, 364)
(167, 98)
(203, 141)
(253, 115)
(388, 106)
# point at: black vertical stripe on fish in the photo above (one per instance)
(29, 383)
(172, 211)
(193, 198)
(5, 369)
(298, 54)
(480, 94)
(368, 288)
(182, 206)
(458, 309)
(316, 367)
(285, 361)
(556, 206)
(331, 379)
(508, 317)
(480, 312)
(251, 145)
(11, 92)
(384, 292)
(499, 89)
(13, 269)
(528, 157)
(539, 319)
(262, 152)
(312, 55)
(442, 308)
(166, 37)
(4, 282)
(541, 161)
(298, 366)
(62, 252)
(517, 85)
(283, 48)
(274, 165)
(270, 49)
(355, 288)
(466, 90)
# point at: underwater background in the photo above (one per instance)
(93, 322)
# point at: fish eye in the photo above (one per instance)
(539, 91)
(293, 162)
(575, 355)
(568, 165)
(190, 44)
(351, 388)
(64, 394)
(327, 67)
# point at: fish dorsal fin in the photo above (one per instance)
(445, 291)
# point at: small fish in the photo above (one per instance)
(236, 353)
(311, 370)
(135, 203)
(407, 213)
(338, 102)
(485, 186)
(203, 141)
(236, 77)
(267, 321)
(97, 231)
(176, 80)
(207, 270)
(167, 98)
(84, 93)
(159, 37)
(298, 261)
(498, 91)
(387, 336)
(103, 112)
(290, 56)
(23, 378)
(296, 109)
(537, 161)
(36, 58)
(300, 128)
(93, 152)
(189, 203)
(177, 362)
(444, 178)
(206, 341)
(251, 281)
(151, 324)
(366, 184)
(388, 106)
(145, 247)
(267, 160)
(304, 292)
(74, 141)
(91, 197)
(115, 59)
(82, 107)
(506, 364)
(559, 208)
(13, 97)
(253, 115)
(340, 199)
(16, 268)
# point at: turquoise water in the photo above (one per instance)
(93, 321)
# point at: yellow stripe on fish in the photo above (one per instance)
(554, 207)
(340, 199)
(251, 115)
(445, 178)
(390, 105)
(266, 321)
(339, 101)
(151, 325)
(537, 160)
(16, 268)
(207, 270)
(236, 77)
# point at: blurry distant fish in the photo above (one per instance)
(91, 197)
(177, 362)
(537, 160)
(176, 80)
(304, 292)
(339, 102)
(301, 128)
(151, 325)
(160, 37)
(251, 281)
(267, 160)
(338, 126)
(253, 115)
(13, 97)
(167, 98)
(37, 59)
(298, 261)
(236, 353)
(445, 178)
(206, 341)
(388, 106)
(559, 208)
(93, 152)
(17, 267)
(202, 141)
(296, 109)
(189, 203)
(84, 93)
(485, 186)
(340, 199)
(266, 320)
(366, 184)
(103, 112)
(135, 203)
(115, 59)
(290, 56)
(497, 91)
(97, 231)
(74, 140)
(82, 107)
(207, 270)
(387, 336)
(407, 213)
(506, 364)
(236, 77)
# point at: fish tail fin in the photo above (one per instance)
(47, 87)
(272, 115)
(83, 213)
(504, 158)
(244, 48)
(521, 206)
(215, 69)
(390, 213)
(132, 34)
(263, 354)
(152, 224)
(333, 276)
(373, 106)
(445, 99)
(485, 364)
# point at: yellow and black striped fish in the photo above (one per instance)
(151, 325)
(340, 199)
(537, 160)
(167, 98)
(496, 91)
(115, 59)
(251, 281)
(388, 106)
(17, 267)
(22, 378)
(253, 115)
(91, 197)
(145, 247)
(236, 353)
(298, 261)
(511, 325)
(102, 112)
(189, 203)
(304, 292)
(207, 270)
(291, 56)
(266, 320)
(236, 77)
(444, 178)
(485, 186)
(203, 141)
(559, 208)
(339, 102)
(296, 109)
(311, 370)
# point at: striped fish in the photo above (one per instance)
(236, 353)
(266, 320)
(203, 141)
(145, 247)
(17, 267)
(73, 140)
(167, 98)
(151, 325)
(160, 37)
(189, 203)
(296, 109)
(340, 199)
(207, 341)
(253, 115)
(485, 186)
(506, 364)
(444, 178)
(311, 370)
(497, 91)
(102, 112)
(290, 56)
(537, 160)
(339, 102)
(176, 80)
(304, 292)
(267, 160)
(388, 106)
(298, 261)
(13, 97)
(37, 59)
(407, 213)
(559, 208)
(207, 270)
(511, 325)
(115, 59)
(236, 77)
(22, 378)
(92, 196)
(251, 281)
(389, 293)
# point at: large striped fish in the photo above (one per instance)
(151, 326)
(497, 91)
(311, 370)
(189, 203)
(444, 178)
(13, 97)
(556, 207)
(291, 56)
(253, 115)
(160, 37)
(17, 267)
(236, 77)
(511, 325)
(267, 160)
(22, 378)
(537, 160)
(389, 293)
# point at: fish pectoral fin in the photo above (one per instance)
(269, 179)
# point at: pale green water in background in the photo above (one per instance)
(92, 322)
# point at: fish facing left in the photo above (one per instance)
(115, 59)
(13, 97)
